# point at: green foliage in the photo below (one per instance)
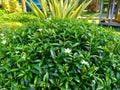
(11, 6)
(16, 17)
(59, 8)
(61, 55)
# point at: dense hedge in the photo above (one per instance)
(59, 55)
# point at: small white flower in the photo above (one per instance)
(3, 42)
(23, 57)
(2, 34)
(93, 81)
(67, 50)
(114, 65)
(48, 18)
(40, 29)
(85, 63)
(14, 37)
(17, 52)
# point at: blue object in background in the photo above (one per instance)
(36, 2)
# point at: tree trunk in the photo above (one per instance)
(23, 6)
(0, 3)
(93, 6)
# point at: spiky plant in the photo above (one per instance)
(59, 8)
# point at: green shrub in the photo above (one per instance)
(60, 55)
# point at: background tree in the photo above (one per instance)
(93, 6)
(14, 6)
(11, 6)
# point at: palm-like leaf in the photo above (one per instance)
(36, 10)
(45, 6)
(80, 8)
(59, 8)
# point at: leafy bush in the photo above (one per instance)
(60, 55)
